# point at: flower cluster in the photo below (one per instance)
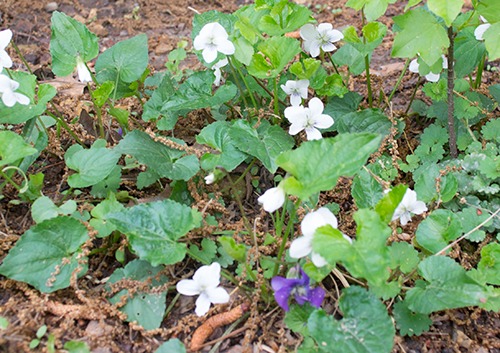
(298, 286)
(205, 283)
(7, 85)
(408, 206)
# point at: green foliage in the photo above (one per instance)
(316, 165)
(162, 161)
(13, 148)
(296, 318)
(357, 332)
(99, 216)
(420, 34)
(408, 322)
(236, 251)
(266, 142)
(47, 254)
(44, 208)
(76, 347)
(438, 230)
(146, 307)
(70, 39)
(122, 64)
(448, 10)
(153, 229)
(272, 57)
(284, 17)
(92, 165)
(227, 154)
(447, 286)
(22, 113)
(173, 345)
(372, 9)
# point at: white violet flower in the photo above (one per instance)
(296, 90)
(308, 119)
(5, 60)
(9, 97)
(302, 246)
(272, 199)
(213, 38)
(217, 73)
(320, 37)
(210, 178)
(408, 206)
(83, 72)
(479, 31)
(205, 283)
(431, 77)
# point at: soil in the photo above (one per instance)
(81, 312)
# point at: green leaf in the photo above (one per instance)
(217, 136)
(148, 307)
(491, 130)
(333, 86)
(206, 253)
(47, 254)
(123, 63)
(4, 323)
(284, 17)
(101, 94)
(43, 208)
(367, 120)
(404, 256)
(296, 318)
(357, 332)
(448, 10)
(468, 52)
(13, 148)
(491, 41)
(421, 33)
(373, 9)
(316, 165)
(408, 322)
(70, 39)
(489, 266)
(22, 113)
(164, 161)
(153, 229)
(236, 251)
(351, 56)
(366, 191)
(76, 347)
(470, 218)
(273, 55)
(196, 93)
(438, 230)
(489, 9)
(165, 90)
(173, 345)
(310, 69)
(448, 287)
(99, 213)
(389, 202)
(92, 165)
(266, 142)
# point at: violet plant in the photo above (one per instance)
(324, 133)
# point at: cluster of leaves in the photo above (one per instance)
(463, 190)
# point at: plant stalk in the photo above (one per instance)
(451, 102)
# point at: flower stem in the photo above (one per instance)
(65, 125)
(407, 63)
(286, 235)
(234, 69)
(480, 69)
(275, 98)
(336, 69)
(21, 56)
(451, 102)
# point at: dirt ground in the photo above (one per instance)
(82, 312)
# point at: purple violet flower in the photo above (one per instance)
(299, 287)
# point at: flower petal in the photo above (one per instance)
(188, 287)
(202, 305)
(323, 121)
(316, 106)
(208, 276)
(308, 32)
(479, 31)
(313, 220)
(301, 247)
(328, 47)
(295, 99)
(316, 296)
(22, 99)
(313, 134)
(5, 60)
(324, 27)
(8, 98)
(225, 47)
(432, 77)
(272, 199)
(414, 66)
(318, 260)
(281, 296)
(209, 54)
(217, 295)
(5, 38)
